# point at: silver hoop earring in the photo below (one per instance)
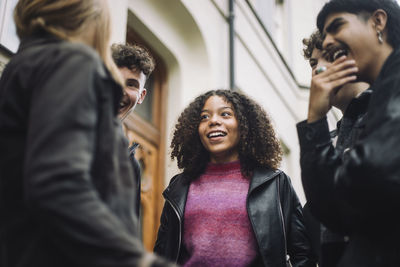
(379, 33)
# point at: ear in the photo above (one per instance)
(142, 96)
(379, 19)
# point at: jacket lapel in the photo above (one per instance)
(261, 176)
(176, 193)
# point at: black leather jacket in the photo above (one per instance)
(358, 192)
(328, 244)
(271, 203)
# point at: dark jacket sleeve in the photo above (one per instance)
(168, 236)
(161, 242)
(313, 228)
(298, 242)
(358, 189)
(369, 176)
(319, 160)
(58, 183)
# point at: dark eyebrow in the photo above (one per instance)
(332, 25)
(222, 108)
(133, 81)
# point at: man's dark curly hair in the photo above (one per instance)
(258, 145)
(134, 57)
(315, 41)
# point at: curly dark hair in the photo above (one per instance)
(134, 57)
(258, 145)
(315, 41)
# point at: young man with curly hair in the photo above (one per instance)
(230, 206)
(357, 191)
(135, 65)
(352, 101)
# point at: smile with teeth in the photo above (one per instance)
(216, 134)
(337, 53)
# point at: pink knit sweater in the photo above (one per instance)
(217, 230)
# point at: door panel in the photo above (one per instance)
(147, 155)
(146, 126)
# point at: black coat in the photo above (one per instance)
(66, 184)
(358, 192)
(265, 206)
(329, 245)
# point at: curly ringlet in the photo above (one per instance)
(258, 145)
(314, 41)
(133, 57)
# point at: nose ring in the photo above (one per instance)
(320, 69)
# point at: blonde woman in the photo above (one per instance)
(66, 183)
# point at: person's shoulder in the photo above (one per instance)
(176, 184)
(268, 171)
(264, 174)
(280, 174)
(87, 59)
(51, 53)
(176, 178)
(79, 49)
(78, 53)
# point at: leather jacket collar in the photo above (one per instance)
(176, 192)
(261, 176)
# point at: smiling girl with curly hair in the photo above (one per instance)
(231, 206)
(257, 147)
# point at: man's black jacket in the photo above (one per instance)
(327, 244)
(358, 191)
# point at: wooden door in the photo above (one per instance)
(146, 126)
(147, 155)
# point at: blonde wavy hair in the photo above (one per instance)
(68, 19)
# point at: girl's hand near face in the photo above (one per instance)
(326, 84)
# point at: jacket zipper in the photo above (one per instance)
(180, 228)
(287, 257)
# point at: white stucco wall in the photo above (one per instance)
(303, 24)
(119, 18)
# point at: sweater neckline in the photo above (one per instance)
(214, 168)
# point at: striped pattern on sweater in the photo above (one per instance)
(217, 230)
